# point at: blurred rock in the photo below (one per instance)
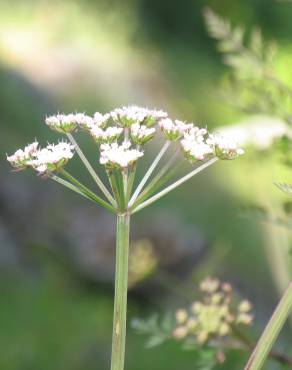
(43, 216)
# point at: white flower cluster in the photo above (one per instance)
(224, 147)
(195, 145)
(214, 316)
(107, 135)
(49, 159)
(65, 123)
(141, 134)
(115, 155)
(101, 120)
(126, 116)
(116, 131)
(259, 131)
(19, 159)
(173, 130)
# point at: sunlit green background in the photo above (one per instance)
(56, 295)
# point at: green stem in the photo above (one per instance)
(115, 187)
(121, 288)
(271, 332)
(131, 179)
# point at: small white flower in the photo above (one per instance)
(225, 147)
(84, 121)
(141, 134)
(127, 116)
(51, 158)
(154, 116)
(115, 155)
(183, 127)
(20, 158)
(63, 123)
(194, 144)
(101, 120)
(173, 130)
(108, 135)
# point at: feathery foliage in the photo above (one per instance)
(252, 85)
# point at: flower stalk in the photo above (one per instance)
(149, 172)
(91, 170)
(121, 288)
(174, 185)
(271, 331)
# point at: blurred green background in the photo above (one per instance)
(56, 250)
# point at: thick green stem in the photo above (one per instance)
(271, 332)
(121, 288)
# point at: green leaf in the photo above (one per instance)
(287, 188)
(155, 341)
(256, 42)
(158, 332)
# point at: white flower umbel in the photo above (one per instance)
(52, 158)
(101, 120)
(120, 136)
(141, 134)
(259, 131)
(62, 123)
(173, 130)
(66, 123)
(224, 147)
(84, 121)
(194, 145)
(20, 158)
(121, 156)
(107, 135)
(127, 116)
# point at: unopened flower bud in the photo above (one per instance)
(180, 332)
(181, 316)
(244, 306)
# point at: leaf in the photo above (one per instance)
(256, 42)
(217, 27)
(145, 326)
(206, 359)
(286, 188)
(250, 61)
(167, 323)
(158, 332)
(154, 341)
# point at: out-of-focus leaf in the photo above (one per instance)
(154, 341)
(255, 87)
(256, 42)
(287, 188)
(157, 331)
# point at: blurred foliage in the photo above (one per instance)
(253, 86)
